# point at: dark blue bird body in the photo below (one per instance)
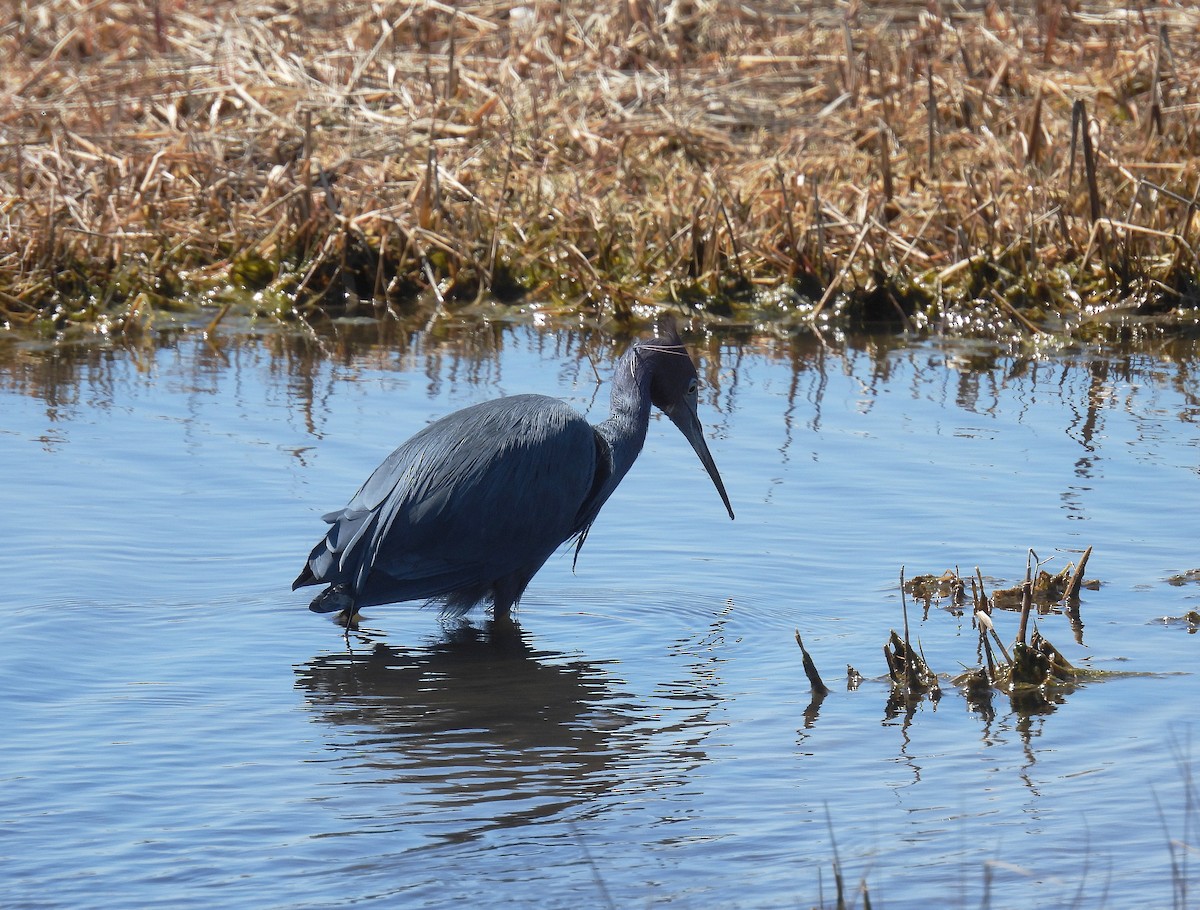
(470, 508)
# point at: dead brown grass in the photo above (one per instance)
(913, 163)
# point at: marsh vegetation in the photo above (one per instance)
(966, 168)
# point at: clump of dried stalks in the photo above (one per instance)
(1030, 167)
(1032, 672)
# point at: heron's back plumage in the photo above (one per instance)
(465, 511)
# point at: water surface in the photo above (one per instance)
(181, 731)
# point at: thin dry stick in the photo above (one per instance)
(560, 38)
(451, 64)
(986, 648)
(1155, 120)
(1077, 578)
(851, 74)
(1012, 311)
(985, 622)
(494, 247)
(1026, 598)
(819, 217)
(1080, 127)
(793, 244)
(377, 290)
(934, 687)
(885, 162)
(845, 270)
(1033, 139)
(932, 114)
(819, 689)
(910, 669)
(733, 242)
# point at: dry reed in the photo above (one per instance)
(966, 167)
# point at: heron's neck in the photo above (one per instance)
(629, 417)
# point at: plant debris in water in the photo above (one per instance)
(1022, 169)
(1031, 671)
(1189, 620)
(1048, 591)
(1191, 575)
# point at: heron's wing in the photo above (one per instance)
(481, 493)
(497, 489)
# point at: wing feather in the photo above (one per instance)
(482, 493)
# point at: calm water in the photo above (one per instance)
(180, 731)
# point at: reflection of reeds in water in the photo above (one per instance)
(456, 356)
(1016, 168)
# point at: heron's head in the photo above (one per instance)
(675, 389)
(674, 382)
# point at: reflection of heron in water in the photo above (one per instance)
(552, 736)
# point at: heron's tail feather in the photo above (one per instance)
(305, 577)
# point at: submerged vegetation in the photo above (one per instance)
(974, 168)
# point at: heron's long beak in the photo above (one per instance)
(684, 416)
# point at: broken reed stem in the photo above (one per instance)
(1080, 126)
(986, 648)
(733, 241)
(819, 218)
(786, 204)
(910, 667)
(932, 101)
(494, 246)
(451, 65)
(985, 623)
(1077, 578)
(560, 37)
(819, 689)
(885, 162)
(845, 270)
(1026, 598)
(934, 688)
(1014, 314)
(1026, 608)
(851, 76)
(1155, 120)
(1033, 139)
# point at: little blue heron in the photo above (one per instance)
(468, 510)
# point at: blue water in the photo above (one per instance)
(180, 731)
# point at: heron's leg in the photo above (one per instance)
(502, 611)
(506, 592)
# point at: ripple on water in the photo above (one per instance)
(180, 731)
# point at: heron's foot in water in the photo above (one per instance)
(335, 597)
(338, 598)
